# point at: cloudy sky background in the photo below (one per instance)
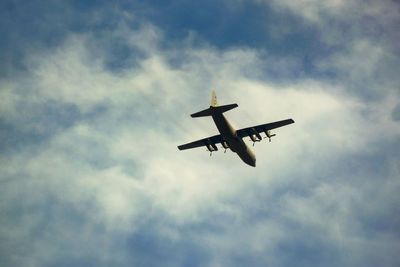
(96, 95)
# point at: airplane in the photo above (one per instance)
(230, 137)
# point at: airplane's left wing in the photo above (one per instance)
(209, 142)
(255, 130)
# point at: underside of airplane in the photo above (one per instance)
(230, 137)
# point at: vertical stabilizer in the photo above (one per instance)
(214, 102)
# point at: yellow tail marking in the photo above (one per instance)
(214, 102)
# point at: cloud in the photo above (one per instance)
(101, 182)
(360, 38)
(396, 113)
(321, 12)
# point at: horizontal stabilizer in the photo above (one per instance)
(225, 108)
(212, 110)
(203, 113)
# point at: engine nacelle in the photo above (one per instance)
(269, 135)
(258, 136)
(212, 147)
(225, 144)
(255, 136)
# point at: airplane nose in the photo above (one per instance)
(252, 159)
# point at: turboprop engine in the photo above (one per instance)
(269, 135)
(225, 145)
(255, 136)
(211, 147)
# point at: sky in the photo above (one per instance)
(95, 96)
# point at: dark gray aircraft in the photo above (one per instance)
(229, 137)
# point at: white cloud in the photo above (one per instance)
(313, 10)
(322, 11)
(357, 38)
(120, 167)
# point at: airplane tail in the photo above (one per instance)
(214, 101)
(214, 108)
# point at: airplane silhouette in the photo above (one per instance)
(229, 137)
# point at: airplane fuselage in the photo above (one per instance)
(235, 143)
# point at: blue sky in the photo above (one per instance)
(96, 95)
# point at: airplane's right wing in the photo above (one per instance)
(209, 142)
(249, 131)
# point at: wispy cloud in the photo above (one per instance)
(92, 176)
